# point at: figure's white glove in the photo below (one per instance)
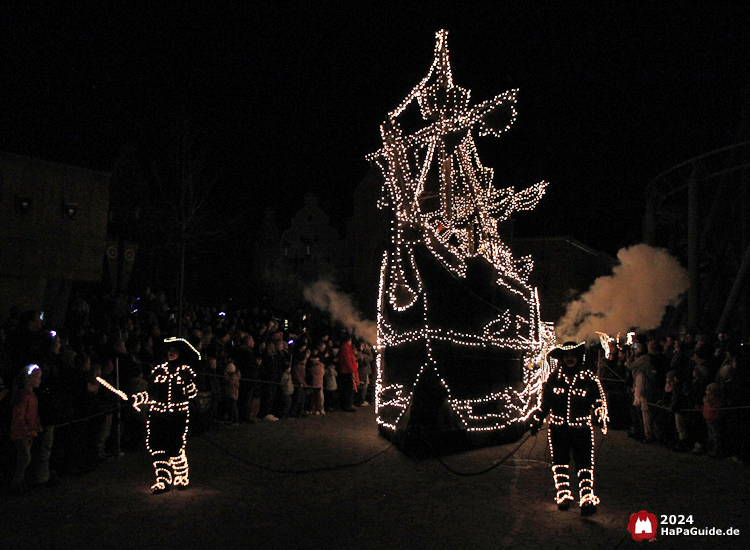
(602, 415)
(191, 391)
(139, 399)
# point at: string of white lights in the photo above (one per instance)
(562, 481)
(462, 224)
(179, 382)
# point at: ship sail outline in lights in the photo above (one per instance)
(445, 213)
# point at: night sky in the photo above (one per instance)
(291, 98)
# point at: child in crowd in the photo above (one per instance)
(135, 421)
(287, 390)
(25, 424)
(712, 413)
(317, 373)
(696, 427)
(676, 399)
(213, 383)
(232, 377)
(137, 382)
(364, 358)
(300, 385)
(329, 387)
(103, 403)
(255, 400)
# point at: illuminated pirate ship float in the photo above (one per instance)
(461, 346)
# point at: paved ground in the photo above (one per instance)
(244, 496)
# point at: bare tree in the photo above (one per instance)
(183, 178)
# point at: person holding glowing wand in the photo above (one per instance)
(166, 430)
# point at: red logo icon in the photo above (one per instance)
(642, 526)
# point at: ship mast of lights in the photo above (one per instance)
(435, 183)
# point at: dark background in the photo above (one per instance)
(290, 96)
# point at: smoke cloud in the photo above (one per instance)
(324, 295)
(635, 296)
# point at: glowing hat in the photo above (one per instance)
(578, 349)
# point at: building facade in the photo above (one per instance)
(53, 232)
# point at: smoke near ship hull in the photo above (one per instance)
(324, 295)
(636, 295)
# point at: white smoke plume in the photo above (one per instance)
(635, 296)
(323, 294)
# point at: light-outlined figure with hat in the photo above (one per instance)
(570, 396)
(166, 430)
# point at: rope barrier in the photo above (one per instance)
(110, 411)
(619, 379)
(260, 381)
(119, 407)
(697, 409)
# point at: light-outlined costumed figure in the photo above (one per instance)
(571, 396)
(169, 414)
(461, 346)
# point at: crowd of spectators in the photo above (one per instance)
(687, 393)
(256, 365)
(690, 393)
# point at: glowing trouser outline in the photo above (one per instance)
(163, 475)
(586, 487)
(178, 464)
(562, 482)
(585, 475)
(164, 468)
(169, 469)
(180, 468)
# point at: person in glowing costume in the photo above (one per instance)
(568, 397)
(172, 388)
